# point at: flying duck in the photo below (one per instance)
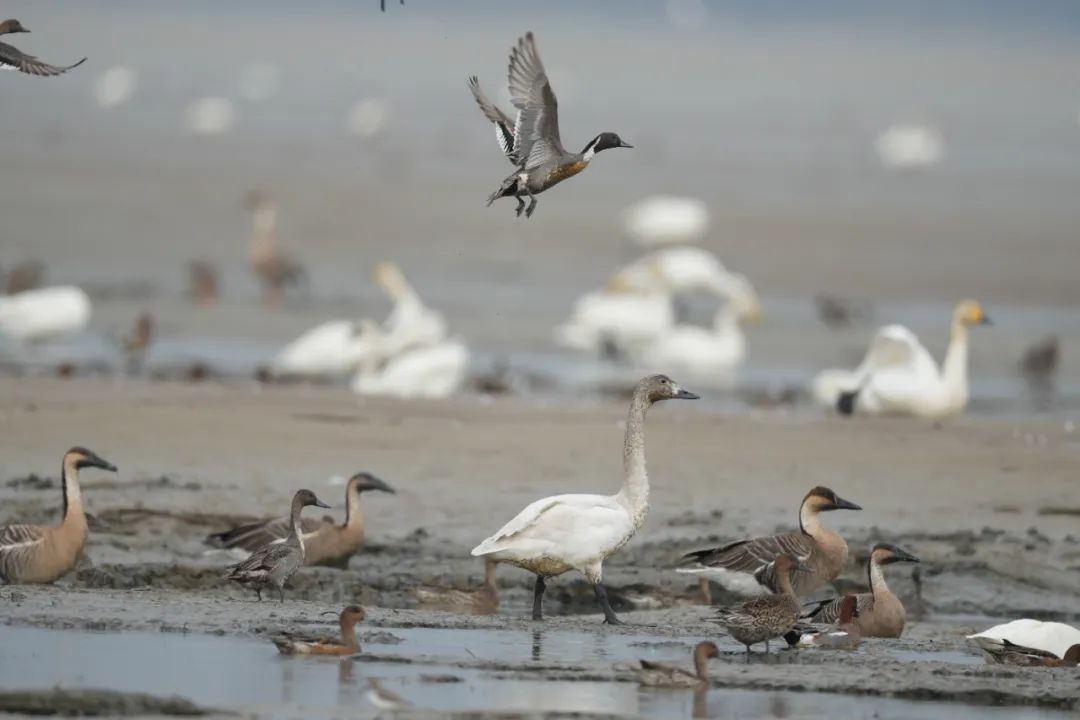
(531, 141)
(14, 59)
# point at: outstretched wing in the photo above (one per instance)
(14, 58)
(755, 557)
(254, 535)
(504, 126)
(536, 132)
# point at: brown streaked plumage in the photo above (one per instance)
(746, 566)
(275, 269)
(844, 635)
(325, 543)
(346, 644)
(881, 614)
(656, 674)
(768, 616)
(481, 601)
(273, 564)
(42, 554)
(1011, 654)
(12, 57)
(202, 283)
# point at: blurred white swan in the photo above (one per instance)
(39, 314)
(332, 349)
(905, 146)
(907, 380)
(1051, 637)
(411, 324)
(716, 351)
(662, 219)
(891, 344)
(433, 371)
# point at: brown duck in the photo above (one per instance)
(481, 601)
(12, 57)
(844, 635)
(656, 674)
(346, 644)
(768, 616)
(746, 566)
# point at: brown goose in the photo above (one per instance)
(844, 635)
(42, 554)
(881, 614)
(347, 644)
(482, 601)
(275, 269)
(768, 616)
(746, 566)
(273, 564)
(656, 674)
(325, 543)
(11, 57)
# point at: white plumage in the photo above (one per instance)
(1052, 637)
(44, 313)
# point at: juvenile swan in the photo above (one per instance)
(577, 532)
(274, 563)
(40, 554)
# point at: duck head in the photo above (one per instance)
(661, 387)
(12, 26)
(822, 499)
(80, 457)
(362, 481)
(706, 650)
(849, 608)
(970, 312)
(305, 497)
(886, 554)
(1072, 655)
(604, 141)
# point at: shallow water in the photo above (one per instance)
(235, 672)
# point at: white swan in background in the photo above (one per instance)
(1051, 637)
(891, 345)
(332, 349)
(719, 350)
(411, 324)
(636, 305)
(34, 315)
(916, 386)
(434, 371)
(905, 146)
(663, 219)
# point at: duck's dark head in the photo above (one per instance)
(12, 26)
(661, 387)
(80, 457)
(886, 554)
(305, 497)
(706, 650)
(1072, 655)
(849, 608)
(604, 141)
(362, 481)
(822, 499)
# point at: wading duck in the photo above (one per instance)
(768, 616)
(532, 141)
(578, 532)
(746, 566)
(881, 614)
(274, 563)
(1030, 642)
(482, 601)
(346, 644)
(844, 635)
(15, 59)
(42, 554)
(325, 542)
(657, 674)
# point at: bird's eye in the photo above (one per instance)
(663, 380)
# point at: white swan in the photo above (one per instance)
(332, 349)
(410, 324)
(433, 371)
(578, 532)
(1052, 637)
(916, 386)
(675, 270)
(716, 351)
(891, 345)
(43, 313)
(661, 219)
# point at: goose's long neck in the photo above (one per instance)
(73, 506)
(635, 489)
(354, 518)
(876, 577)
(348, 633)
(954, 369)
(810, 520)
(701, 664)
(783, 583)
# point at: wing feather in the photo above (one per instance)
(536, 130)
(15, 58)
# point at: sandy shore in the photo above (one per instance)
(979, 501)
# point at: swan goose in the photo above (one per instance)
(578, 532)
(43, 554)
(719, 350)
(915, 385)
(34, 315)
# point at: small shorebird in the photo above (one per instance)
(531, 141)
(14, 59)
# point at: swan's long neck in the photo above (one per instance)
(954, 369)
(876, 577)
(635, 489)
(73, 506)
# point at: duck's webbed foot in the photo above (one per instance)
(521, 206)
(532, 206)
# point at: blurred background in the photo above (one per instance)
(894, 156)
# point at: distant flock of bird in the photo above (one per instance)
(634, 317)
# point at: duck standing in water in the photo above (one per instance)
(531, 141)
(768, 616)
(347, 644)
(578, 532)
(656, 674)
(274, 563)
(15, 59)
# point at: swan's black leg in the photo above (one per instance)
(609, 614)
(538, 597)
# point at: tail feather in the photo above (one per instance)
(508, 187)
